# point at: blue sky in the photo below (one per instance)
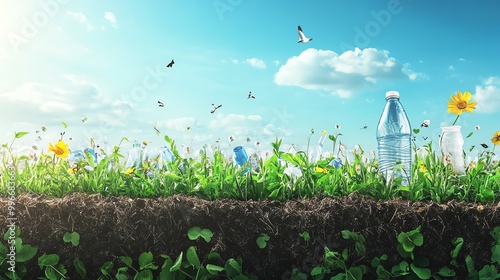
(64, 60)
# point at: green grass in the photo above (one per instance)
(217, 177)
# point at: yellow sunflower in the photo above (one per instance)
(461, 103)
(61, 149)
(496, 138)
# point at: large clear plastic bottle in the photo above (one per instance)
(394, 140)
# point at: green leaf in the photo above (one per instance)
(446, 272)
(122, 273)
(206, 234)
(48, 260)
(469, 135)
(177, 264)
(145, 260)
(7, 233)
(20, 134)
(192, 257)
(233, 268)
(64, 124)
(422, 273)
(126, 260)
(26, 253)
(488, 272)
(354, 273)
(106, 268)
(416, 131)
(144, 275)
(194, 232)
(214, 269)
(469, 263)
(73, 237)
(262, 240)
(213, 256)
(457, 242)
(305, 236)
(80, 268)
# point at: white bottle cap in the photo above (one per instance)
(391, 94)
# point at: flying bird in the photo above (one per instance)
(364, 127)
(160, 104)
(425, 123)
(215, 108)
(302, 37)
(171, 64)
(250, 95)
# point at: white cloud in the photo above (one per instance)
(343, 74)
(488, 95)
(109, 16)
(451, 68)
(179, 124)
(233, 122)
(81, 18)
(255, 62)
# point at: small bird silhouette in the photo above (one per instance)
(171, 64)
(160, 104)
(250, 95)
(302, 37)
(215, 108)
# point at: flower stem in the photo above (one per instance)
(456, 120)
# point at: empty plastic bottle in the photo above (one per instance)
(394, 140)
(134, 158)
(315, 154)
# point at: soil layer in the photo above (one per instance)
(115, 226)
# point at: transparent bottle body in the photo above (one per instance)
(394, 142)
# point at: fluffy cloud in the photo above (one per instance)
(81, 18)
(255, 62)
(111, 18)
(488, 95)
(343, 74)
(179, 124)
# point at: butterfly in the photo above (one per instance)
(215, 108)
(484, 146)
(171, 64)
(250, 95)
(160, 104)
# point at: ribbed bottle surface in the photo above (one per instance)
(394, 141)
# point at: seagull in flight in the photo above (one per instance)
(171, 64)
(250, 95)
(302, 37)
(215, 108)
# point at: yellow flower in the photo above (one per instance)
(423, 168)
(321, 170)
(460, 103)
(496, 138)
(323, 132)
(61, 149)
(129, 171)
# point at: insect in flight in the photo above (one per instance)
(215, 108)
(156, 129)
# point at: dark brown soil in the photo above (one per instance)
(115, 226)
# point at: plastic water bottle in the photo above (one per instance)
(394, 140)
(315, 154)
